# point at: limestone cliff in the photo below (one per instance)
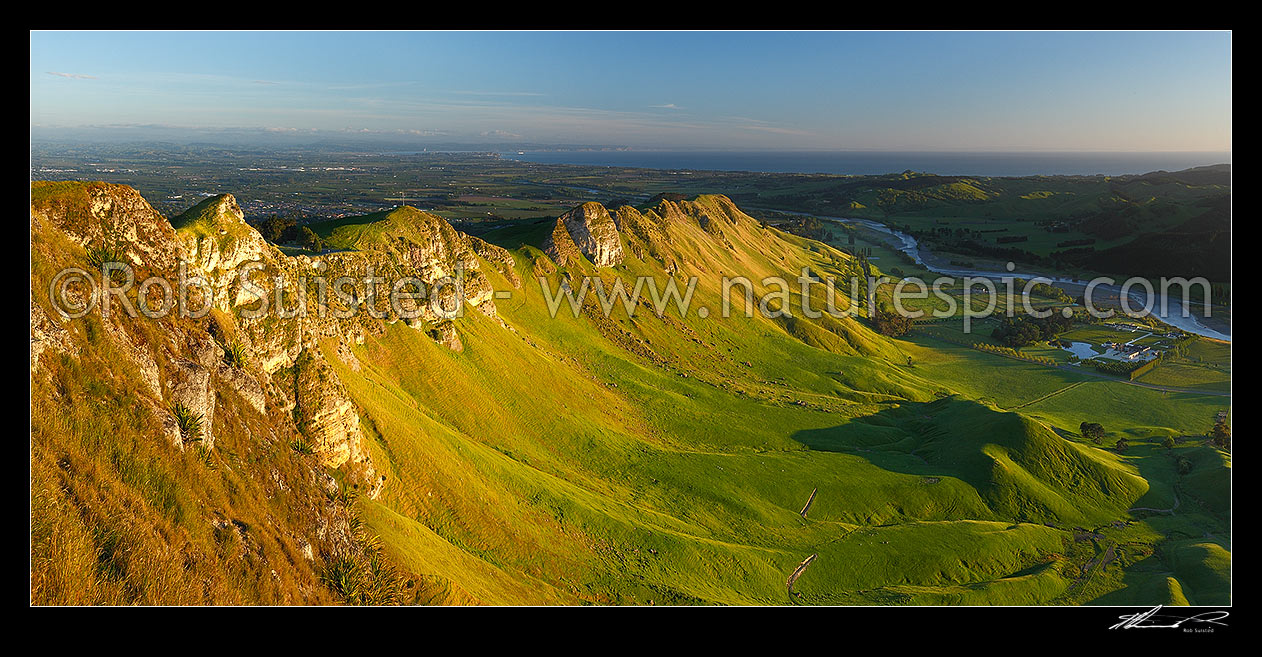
(216, 241)
(326, 417)
(559, 246)
(591, 231)
(259, 315)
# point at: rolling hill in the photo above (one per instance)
(530, 450)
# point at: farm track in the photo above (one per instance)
(797, 572)
(1169, 511)
(1048, 395)
(1150, 386)
(1096, 564)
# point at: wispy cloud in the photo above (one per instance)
(779, 130)
(265, 82)
(667, 106)
(495, 93)
(746, 123)
(73, 76)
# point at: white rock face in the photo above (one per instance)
(284, 375)
(594, 233)
(216, 242)
(326, 416)
(245, 385)
(116, 216)
(191, 387)
(47, 336)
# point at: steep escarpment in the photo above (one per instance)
(326, 417)
(106, 216)
(214, 341)
(269, 311)
(709, 244)
(408, 243)
(216, 242)
(308, 440)
(560, 246)
(591, 231)
(156, 475)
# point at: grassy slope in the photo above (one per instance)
(650, 459)
(573, 461)
(118, 515)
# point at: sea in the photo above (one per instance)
(880, 162)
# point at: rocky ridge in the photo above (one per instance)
(270, 361)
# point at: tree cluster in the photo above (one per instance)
(891, 323)
(278, 229)
(1024, 330)
(1092, 431)
(1220, 435)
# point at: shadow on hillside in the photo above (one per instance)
(896, 438)
(1157, 467)
(1020, 468)
(526, 232)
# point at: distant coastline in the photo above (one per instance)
(874, 163)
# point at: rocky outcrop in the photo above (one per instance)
(179, 364)
(218, 245)
(326, 417)
(499, 257)
(559, 246)
(47, 336)
(138, 356)
(275, 365)
(444, 333)
(646, 237)
(591, 231)
(245, 385)
(112, 216)
(190, 387)
(347, 356)
(216, 241)
(407, 242)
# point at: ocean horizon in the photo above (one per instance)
(881, 162)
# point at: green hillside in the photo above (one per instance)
(659, 458)
(1155, 224)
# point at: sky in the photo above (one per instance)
(951, 91)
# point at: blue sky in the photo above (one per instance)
(1132, 91)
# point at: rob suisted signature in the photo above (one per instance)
(1151, 619)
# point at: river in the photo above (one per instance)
(1138, 295)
